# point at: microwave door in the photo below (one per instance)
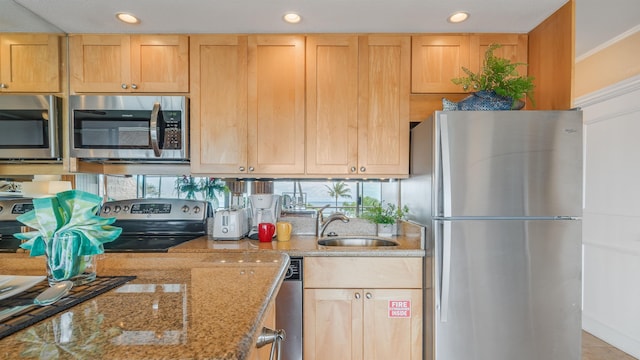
(156, 119)
(30, 129)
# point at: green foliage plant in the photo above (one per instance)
(498, 75)
(389, 214)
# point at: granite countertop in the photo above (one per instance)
(301, 245)
(411, 242)
(187, 306)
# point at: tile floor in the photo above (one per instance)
(596, 349)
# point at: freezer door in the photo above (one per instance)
(508, 289)
(509, 163)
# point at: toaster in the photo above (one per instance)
(230, 224)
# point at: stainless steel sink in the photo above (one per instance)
(356, 241)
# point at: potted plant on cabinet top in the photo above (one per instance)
(386, 217)
(498, 86)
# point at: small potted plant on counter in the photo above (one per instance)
(386, 217)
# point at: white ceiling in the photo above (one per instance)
(596, 21)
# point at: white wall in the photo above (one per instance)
(611, 223)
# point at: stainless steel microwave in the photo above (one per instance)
(129, 128)
(30, 127)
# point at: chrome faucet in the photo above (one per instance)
(322, 225)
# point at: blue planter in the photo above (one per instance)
(481, 100)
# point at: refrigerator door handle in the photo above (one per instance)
(446, 270)
(446, 166)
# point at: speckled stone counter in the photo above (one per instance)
(180, 306)
(300, 246)
(410, 243)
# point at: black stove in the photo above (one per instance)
(148, 225)
(155, 225)
(10, 209)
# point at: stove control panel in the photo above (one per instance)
(10, 209)
(156, 209)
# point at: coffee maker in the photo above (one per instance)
(265, 208)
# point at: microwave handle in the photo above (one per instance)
(153, 129)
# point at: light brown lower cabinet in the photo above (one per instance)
(264, 352)
(381, 320)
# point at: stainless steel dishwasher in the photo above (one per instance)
(289, 311)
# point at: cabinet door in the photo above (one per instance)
(160, 63)
(332, 104)
(219, 104)
(514, 48)
(29, 63)
(264, 353)
(394, 315)
(435, 60)
(383, 118)
(333, 324)
(99, 63)
(276, 104)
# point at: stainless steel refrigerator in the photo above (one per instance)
(500, 193)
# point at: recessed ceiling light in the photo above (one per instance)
(457, 17)
(292, 18)
(127, 18)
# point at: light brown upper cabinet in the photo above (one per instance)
(276, 104)
(219, 104)
(247, 104)
(29, 63)
(358, 105)
(332, 104)
(129, 63)
(513, 47)
(383, 105)
(435, 60)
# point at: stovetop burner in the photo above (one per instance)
(9, 244)
(146, 243)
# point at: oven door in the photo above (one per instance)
(129, 127)
(30, 128)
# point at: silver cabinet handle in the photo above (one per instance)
(251, 168)
(3, 86)
(273, 337)
(241, 168)
(353, 169)
(363, 169)
(134, 86)
(357, 296)
(156, 115)
(368, 295)
(124, 86)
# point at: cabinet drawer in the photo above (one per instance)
(362, 272)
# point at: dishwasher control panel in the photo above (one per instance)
(294, 272)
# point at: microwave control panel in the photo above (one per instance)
(172, 131)
(172, 138)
